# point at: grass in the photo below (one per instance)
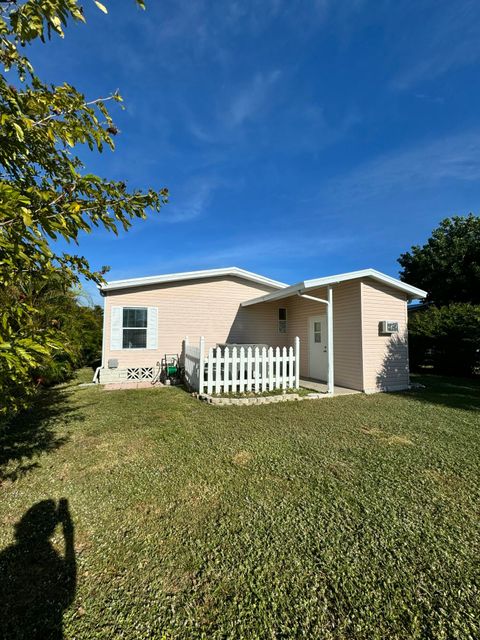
(353, 517)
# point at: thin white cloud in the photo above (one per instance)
(453, 158)
(191, 201)
(244, 252)
(262, 255)
(303, 122)
(449, 39)
(252, 99)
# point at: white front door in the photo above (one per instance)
(317, 347)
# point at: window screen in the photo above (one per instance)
(135, 328)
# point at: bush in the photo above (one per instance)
(447, 338)
(61, 335)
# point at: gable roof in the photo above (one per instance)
(305, 285)
(191, 275)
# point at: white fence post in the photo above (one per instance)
(291, 368)
(185, 364)
(234, 369)
(249, 368)
(241, 371)
(284, 367)
(256, 369)
(218, 370)
(278, 368)
(226, 369)
(201, 364)
(210, 371)
(297, 362)
(263, 386)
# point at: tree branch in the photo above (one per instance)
(52, 116)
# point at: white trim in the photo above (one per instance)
(330, 355)
(104, 332)
(276, 295)
(304, 295)
(116, 328)
(367, 273)
(191, 275)
(305, 285)
(152, 328)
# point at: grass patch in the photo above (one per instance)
(353, 517)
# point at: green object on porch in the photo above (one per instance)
(171, 370)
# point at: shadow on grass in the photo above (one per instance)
(456, 393)
(37, 584)
(33, 432)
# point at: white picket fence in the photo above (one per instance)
(192, 364)
(240, 369)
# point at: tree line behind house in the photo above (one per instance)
(444, 332)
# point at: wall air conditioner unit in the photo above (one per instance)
(388, 327)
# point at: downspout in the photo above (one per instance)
(104, 328)
(96, 377)
(329, 304)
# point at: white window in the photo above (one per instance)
(134, 328)
(317, 331)
(282, 320)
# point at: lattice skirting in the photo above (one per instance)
(140, 373)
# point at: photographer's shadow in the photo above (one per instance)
(37, 584)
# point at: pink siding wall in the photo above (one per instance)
(385, 364)
(347, 339)
(209, 308)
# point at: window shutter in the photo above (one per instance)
(152, 328)
(116, 323)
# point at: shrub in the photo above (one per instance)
(447, 338)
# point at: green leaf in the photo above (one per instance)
(57, 25)
(19, 132)
(101, 6)
(26, 215)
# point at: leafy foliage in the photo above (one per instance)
(448, 338)
(45, 193)
(448, 265)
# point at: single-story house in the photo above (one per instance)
(350, 328)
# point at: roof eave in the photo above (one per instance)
(115, 285)
(413, 292)
(276, 295)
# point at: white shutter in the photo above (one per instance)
(152, 327)
(116, 325)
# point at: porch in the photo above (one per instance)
(317, 386)
(249, 368)
(241, 368)
(327, 318)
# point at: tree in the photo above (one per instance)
(45, 191)
(448, 265)
(446, 338)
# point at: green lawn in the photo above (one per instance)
(353, 517)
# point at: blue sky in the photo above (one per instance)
(297, 138)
